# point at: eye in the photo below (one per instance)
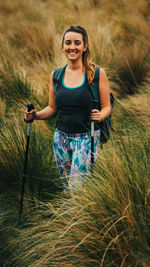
(67, 42)
(78, 42)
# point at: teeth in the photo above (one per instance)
(71, 52)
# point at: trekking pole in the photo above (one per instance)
(30, 107)
(95, 104)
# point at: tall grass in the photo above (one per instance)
(133, 68)
(106, 223)
(139, 105)
(41, 171)
(34, 42)
(14, 86)
(118, 37)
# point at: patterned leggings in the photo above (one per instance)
(73, 155)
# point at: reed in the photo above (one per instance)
(133, 67)
(41, 172)
(106, 223)
(14, 86)
(34, 42)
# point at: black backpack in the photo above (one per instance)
(106, 125)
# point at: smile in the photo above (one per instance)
(73, 52)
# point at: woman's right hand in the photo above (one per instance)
(31, 115)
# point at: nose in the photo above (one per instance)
(72, 46)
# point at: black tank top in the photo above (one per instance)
(73, 107)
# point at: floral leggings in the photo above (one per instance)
(73, 155)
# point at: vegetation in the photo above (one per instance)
(107, 222)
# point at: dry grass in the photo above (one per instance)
(31, 36)
(104, 223)
(34, 42)
(139, 105)
(132, 67)
(2, 108)
(107, 223)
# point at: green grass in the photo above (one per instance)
(41, 170)
(133, 68)
(107, 222)
(14, 87)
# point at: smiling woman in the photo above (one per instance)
(71, 100)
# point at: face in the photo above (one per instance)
(73, 45)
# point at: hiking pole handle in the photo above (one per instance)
(95, 104)
(30, 107)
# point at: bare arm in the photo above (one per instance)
(49, 111)
(104, 91)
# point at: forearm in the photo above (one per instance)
(104, 113)
(46, 113)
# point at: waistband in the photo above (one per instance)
(86, 135)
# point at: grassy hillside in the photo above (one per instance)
(107, 222)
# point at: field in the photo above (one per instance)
(106, 223)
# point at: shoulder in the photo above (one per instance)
(51, 75)
(58, 69)
(102, 72)
(99, 72)
(57, 72)
(102, 75)
(56, 76)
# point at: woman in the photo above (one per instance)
(72, 102)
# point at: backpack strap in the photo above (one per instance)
(57, 76)
(93, 87)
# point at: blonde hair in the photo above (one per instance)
(89, 66)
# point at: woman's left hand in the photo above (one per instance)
(96, 115)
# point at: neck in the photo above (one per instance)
(75, 65)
